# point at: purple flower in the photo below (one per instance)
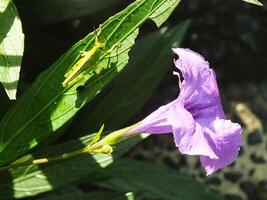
(196, 118)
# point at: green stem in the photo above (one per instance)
(111, 139)
(50, 159)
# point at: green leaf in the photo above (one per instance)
(11, 47)
(70, 189)
(51, 11)
(256, 2)
(163, 12)
(100, 195)
(155, 181)
(150, 59)
(47, 106)
(32, 180)
(3, 5)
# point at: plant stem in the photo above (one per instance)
(111, 139)
(50, 159)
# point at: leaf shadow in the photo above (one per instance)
(10, 85)
(10, 60)
(15, 181)
(6, 177)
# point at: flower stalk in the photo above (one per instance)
(98, 146)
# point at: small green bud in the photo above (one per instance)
(106, 149)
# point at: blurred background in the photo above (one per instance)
(231, 35)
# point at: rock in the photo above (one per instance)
(170, 162)
(251, 172)
(249, 188)
(213, 181)
(257, 158)
(241, 151)
(254, 138)
(232, 165)
(232, 197)
(183, 161)
(262, 190)
(233, 176)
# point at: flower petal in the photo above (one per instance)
(188, 135)
(225, 139)
(155, 123)
(189, 55)
(198, 91)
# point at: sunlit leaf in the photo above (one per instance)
(11, 47)
(256, 2)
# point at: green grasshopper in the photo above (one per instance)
(89, 58)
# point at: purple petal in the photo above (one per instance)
(225, 140)
(155, 123)
(188, 135)
(189, 55)
(198, 91)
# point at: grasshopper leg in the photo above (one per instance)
(83, 53)
(114, 47)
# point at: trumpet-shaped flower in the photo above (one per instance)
(196, 118)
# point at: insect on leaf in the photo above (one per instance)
(47, 106)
